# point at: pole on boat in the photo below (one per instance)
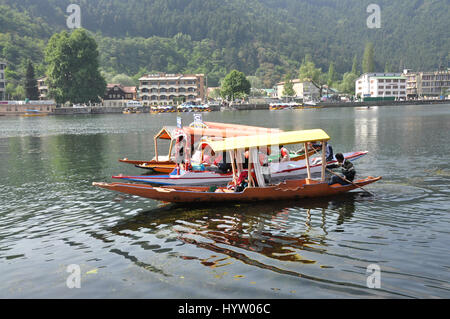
(324, 160)
(156, 148)
(251, 182)
(170, 149)
(308, 169)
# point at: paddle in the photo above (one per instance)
(343, 178)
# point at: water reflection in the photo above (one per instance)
(278, 231)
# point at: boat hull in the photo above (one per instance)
(278, 172)
(288, 190)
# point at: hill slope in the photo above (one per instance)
(267, 37)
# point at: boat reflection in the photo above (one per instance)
(246, 232)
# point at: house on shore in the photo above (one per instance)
(305, 90)
(118, 95)
(427, 85)
(381, 85)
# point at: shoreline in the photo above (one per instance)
(234, 107)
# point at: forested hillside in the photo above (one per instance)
(266, 38)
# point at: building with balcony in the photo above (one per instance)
(305, 90)
(2, 80)
(117, 95)
(427, 84)
(381, 85)
(42, 88)
(162, 88)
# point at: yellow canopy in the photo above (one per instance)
(282, 138)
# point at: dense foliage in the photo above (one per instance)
(263, 38)
(73, 69)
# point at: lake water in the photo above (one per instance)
(130, 247)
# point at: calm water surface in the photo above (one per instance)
(129, 247)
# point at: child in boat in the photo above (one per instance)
(348, 170)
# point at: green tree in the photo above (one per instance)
(124, 79)
(355, 70)
(348, 83)
(288, 88)
(332, 75)
(368, 64)
(73, 68)
(308, 71)
(235, 84)
(31, 86)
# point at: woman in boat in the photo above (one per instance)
(348, 171)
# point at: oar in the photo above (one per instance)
(343, 177)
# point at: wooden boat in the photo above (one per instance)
(31, 113)
(166, 164)
(257, 189)
(277, 170)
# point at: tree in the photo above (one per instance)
(309, 72)
(31, 86)
(332, 75)
(235, 84)
(355, 65)
(73, 68)
(368, 59)
(348, 83)
(123, 79)
(288, 88)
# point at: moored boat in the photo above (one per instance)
(277, 170)
(255, 188)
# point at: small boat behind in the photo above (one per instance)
(31, 113)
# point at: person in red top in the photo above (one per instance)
(284, 154)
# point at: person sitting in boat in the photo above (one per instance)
(348, 171)
(329, 152)
(284, 154)
(242, 182)
(180, 147)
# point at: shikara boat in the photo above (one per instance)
(278, 171)
(32, 113)
(257, 188)
(166, 164)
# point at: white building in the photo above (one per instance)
(42, 88)
(305, 90)
(2, 80)
(381, 85)
(160, 89)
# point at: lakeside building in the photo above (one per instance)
(162, 88)
(305, 90)
(381, 85)
(42, 88)
(2, 80)
(427, 84)
(118, 95)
